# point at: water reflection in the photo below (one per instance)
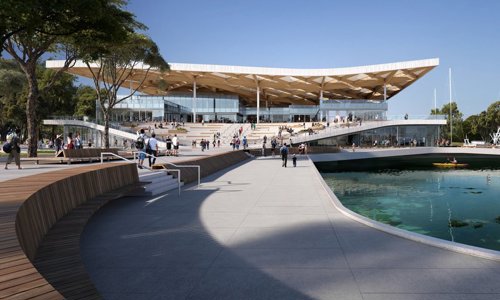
(456, 205)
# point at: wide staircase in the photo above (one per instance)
(270, 130)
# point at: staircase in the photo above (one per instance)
(155, 183)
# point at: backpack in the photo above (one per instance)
(7, 147)
(284, 150)
(139, 143)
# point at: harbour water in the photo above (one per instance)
(457, 205)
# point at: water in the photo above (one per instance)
(456, 205)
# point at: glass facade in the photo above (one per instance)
(422, 135)
(219, 107)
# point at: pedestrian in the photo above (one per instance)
(140, 146)
(15, 150)
(294, 159)
(168, 141)
(70, 143)
(175, 143)
(152, 149)
(284, 155)
(78, 141)
(58, 143)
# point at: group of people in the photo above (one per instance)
(148, 146)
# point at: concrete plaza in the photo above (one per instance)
(261, 231)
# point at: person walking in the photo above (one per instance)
(284, 154)
(294, 159)
(15, 152)
(141, 147)
(152, 148)
(175, 143)
(78, 141)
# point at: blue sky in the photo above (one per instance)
(464, 35)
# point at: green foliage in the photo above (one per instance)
(480, 126)
(456, 118)
(85, 101)
(114, 64)
(31, 28)
(58, 100)
(12, 96)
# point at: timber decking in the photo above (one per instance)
(30, 206)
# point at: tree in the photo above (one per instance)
(34, 27)
(12, 96)
(456, 117)
(85, 101)
(473, 128)
(115, 64)
(493, 116)
(58, 100)
(480, 126)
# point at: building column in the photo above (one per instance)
(194, 99)
(385, 91)
(258, 102)
(321, 105)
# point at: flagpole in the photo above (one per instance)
(451, 115)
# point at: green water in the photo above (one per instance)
(457, 205)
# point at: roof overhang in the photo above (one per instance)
(278, 86)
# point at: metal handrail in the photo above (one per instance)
(113, 154)
(177, 166)
(128, 160)
(178, 177)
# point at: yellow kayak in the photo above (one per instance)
(449, 165)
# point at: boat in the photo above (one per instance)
(450, 165)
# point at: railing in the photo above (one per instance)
(135, 153)
(115, 155)
(165, 169)
(178, 177)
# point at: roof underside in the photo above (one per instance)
(279, 87)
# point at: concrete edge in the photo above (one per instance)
(417, 237)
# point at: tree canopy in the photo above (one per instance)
(112, 65)
(29, 29)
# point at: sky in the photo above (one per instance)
(464, 35)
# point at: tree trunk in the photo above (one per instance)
(31, 103)
(106, 128)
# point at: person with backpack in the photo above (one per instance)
(284, 154)
(152, 148)
(141, 148)
(14, 149)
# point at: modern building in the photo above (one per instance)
(239, 94)
(215, 93)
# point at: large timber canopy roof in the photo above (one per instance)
(278, 86)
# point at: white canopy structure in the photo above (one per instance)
(278, 86)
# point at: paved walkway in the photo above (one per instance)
(31, 168)
(260, 231)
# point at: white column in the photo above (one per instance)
(258, 103)
(194, 100)
(451, 115)
(321, 105)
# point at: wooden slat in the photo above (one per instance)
(30, 206)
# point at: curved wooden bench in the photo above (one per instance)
(30, 206)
